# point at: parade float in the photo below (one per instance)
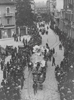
(39, 66)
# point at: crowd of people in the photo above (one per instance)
(47, 54)
(43, 29)
(13, 71)
(65, 72)
(36, 39)
(13, 74)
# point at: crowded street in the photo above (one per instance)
(50, 86)
(36, 50)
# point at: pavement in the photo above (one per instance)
(50, 86)
(10, 42)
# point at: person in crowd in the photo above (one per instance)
(30, 65)
(47, 27)
(3, 83)
(53, 50)
(26, 42)
(4, 74)
(14, 36)
(47, 32)
(53, 61)
(45, 54)
(2, 65)
(20, 37)
(60, 46)
(6, 53)
(47, 46)
(49, 56)
(35, 87)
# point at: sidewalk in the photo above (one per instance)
(10, 41)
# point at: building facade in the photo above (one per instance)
(7, 18)
(67, 20)
(41, 10)
(51, 5)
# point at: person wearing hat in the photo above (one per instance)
(35, 88)
(53, 61)
(4, 74)
(2, 65)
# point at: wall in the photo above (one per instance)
(3, 11)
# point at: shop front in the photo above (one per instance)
(7, 32)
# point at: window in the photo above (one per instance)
(8, 21)
(8, 9)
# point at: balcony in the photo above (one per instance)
(9, 14)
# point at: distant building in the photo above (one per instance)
(66, 23)
(33, 6)
(51, 6)
(41, 10)
(7, 18)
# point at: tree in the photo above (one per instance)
(25, 14)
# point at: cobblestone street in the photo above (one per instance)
(50, 89)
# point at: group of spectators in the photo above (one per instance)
(65, 72)
(13, 71)
(36, 39)
(13, 74)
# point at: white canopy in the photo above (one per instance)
(35, 48)
(43, 63)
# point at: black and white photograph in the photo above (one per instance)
(36, 49)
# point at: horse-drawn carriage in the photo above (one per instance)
(39, 67)
(39, 73)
